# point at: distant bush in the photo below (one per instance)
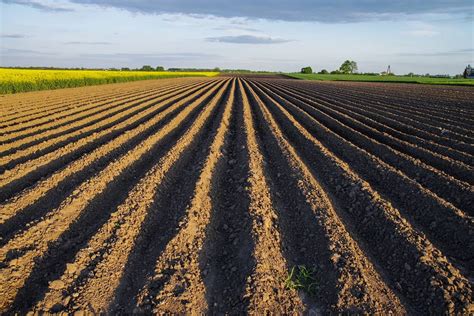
(160, 68)
(335, 72)
(306, 70)
(348, 67)
(147, 68)
(323, 72)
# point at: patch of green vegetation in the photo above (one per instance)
(301, 278)
(379, 78)
(306, 70)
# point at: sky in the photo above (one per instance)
(420, 36)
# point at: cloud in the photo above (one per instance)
(12, 36)
(236, 28)
(463, 51)
(87, 43)
(329, 11)
(178, 59)
(40, 5)
(22, 52)
(26, 57)
(247, 39)
(422, 29)
(423, 33)
(168, 57)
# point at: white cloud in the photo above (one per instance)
(44, 5)
(247, 39)
(421, 29)
(423, 33)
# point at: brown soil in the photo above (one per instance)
(199, 195)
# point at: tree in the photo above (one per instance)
(323, 72)
(348, 67)
(306, 70)
(160, 68)
(125, 69)
(147, 68)
(354, 66)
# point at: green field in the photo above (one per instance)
(372, 78)
(22, 80)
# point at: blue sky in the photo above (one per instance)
(435, 36)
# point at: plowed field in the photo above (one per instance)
(202, 194)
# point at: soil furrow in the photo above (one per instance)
(420, 272)
(57, 99)
(116, 239)
(19, 254)
(454, 168)
(33, 202)
(386, 125)
(240, 194)
(442, 223)
(447, 131)
(421, 123)
(456, 192)
(265, 287)
(226, 259)
(28, 113)
(23, 174)
(177, 285)
(346, 280)
(83, 116)
(426, 130)
(19, 155)
(50, 121)
(19, 108)
(450, 119)
(88, 125)
(394, 101)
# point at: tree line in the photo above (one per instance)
(347, 67)
(143, 68)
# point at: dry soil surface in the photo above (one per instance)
(200, 195)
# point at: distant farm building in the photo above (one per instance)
(469, 72)
(387, 73)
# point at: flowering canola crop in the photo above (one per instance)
(21, 80)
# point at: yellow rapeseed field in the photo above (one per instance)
(20, 80)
